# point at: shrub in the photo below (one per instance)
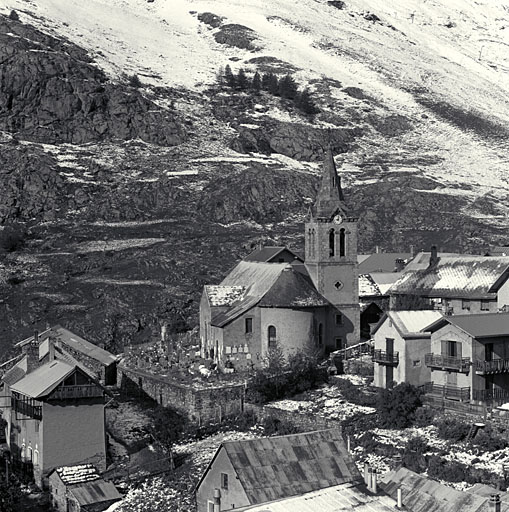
(304, 102)
(487, 439)
(278, 427)
(452, 429)
(134, 81)
(228, 76)
(13, 15)
(448, 470)
(397, 406)
(241, 81)
(417, 446)
(287, 87)
(424, 416)
(355, 395)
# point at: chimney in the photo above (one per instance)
(400, 499)
(31, 349)
(399, 265)
(217, 500)
(377, 249)
(433, 259)
(397, 461)
(374, 481)
(412, 251)
(495, 503)
(367, 476)
(51, 348)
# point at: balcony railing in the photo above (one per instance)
(493, 366)
(73, 392)
(383, 357)
(451, 392)
(460, 364)
(491, 395)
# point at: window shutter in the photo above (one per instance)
(458, 349)
(444, 348)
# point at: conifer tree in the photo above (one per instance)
(305, 102)
(242, 81)
(266, 81)
(287, 87)
(228, 76)
(273, 85)
(256, 83)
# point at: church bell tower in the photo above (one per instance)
(331, 257)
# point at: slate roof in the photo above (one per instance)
(15, 374)
(258, 279)
(421, 260)
(266, 254)
(77, 474)
(72, 341)
(97, 491)
(368, 287)
(272, 468)
(410, 322)
(457, 276)
(43, 380)
(421, 494)
(482, 325)
(344, 497)
(382, 262)
(224, 295)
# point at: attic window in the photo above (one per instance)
(224, 481)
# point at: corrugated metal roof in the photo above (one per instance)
(478, 325)
(293, 290)
(382, 262)
(96, 491)
(458, 276)
(339, 498)
(266, 254)
(278, 467)
(421, 494)
(43, 380)
(257, 278)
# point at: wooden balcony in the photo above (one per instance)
(450, 392)
(439, 362)
(491, 367)
(74, 392)
(491, 395)
(387, 358)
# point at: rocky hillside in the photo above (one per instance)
(130, 196)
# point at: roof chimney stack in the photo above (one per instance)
(217, 500)
(31, 350)
(495, 503)
(433, 259)
(51, 348)
(399, 265)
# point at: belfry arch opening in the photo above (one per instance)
(332, 242)
(342, 242)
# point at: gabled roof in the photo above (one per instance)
(382, 262)
(482, 325)
(43, 380)
(97, 491)
(421, 260)
(410, 323)
(74, 342)
(344, 497)
(377, 284)
(422, 494)
(272, 468)
(292, 290)
(368, 287)
(15, 374)
(458, 276)
(269, 254)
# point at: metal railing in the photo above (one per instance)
(451, 392)
(493, 366)
(384, 357)
(354, 351)
(461, 364)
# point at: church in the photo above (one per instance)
(274, 299)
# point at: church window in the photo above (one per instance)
(342, 237)
(272, 336)
(249, 325)
(320, 335)
(332, 242)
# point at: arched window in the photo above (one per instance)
(320, 335)
(342, 239)
(332, 242)
(271, 334)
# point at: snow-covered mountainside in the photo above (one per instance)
(414, 92)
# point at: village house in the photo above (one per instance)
(400, 346)
(265, 302)
(81, 489)
(95, 359)
(54, 413)
(454, 284)
(469, 358)
(259, 471)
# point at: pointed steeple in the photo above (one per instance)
(330, 196)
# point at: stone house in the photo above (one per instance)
(469, 358)
(54, 413)
(101, 363)
(257, 471)
(400, 346)
(265, 302)
(81, 489)
(457, 284)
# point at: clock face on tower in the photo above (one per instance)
(337, 219)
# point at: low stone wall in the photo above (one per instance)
(202, 405)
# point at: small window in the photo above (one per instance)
(210, 506)
(224, 481)
(249, 325)
(339, 319)
(465, 304)
(271, 335)
(485, 305)
(416, 363)
(281, 260)
(339, 343)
